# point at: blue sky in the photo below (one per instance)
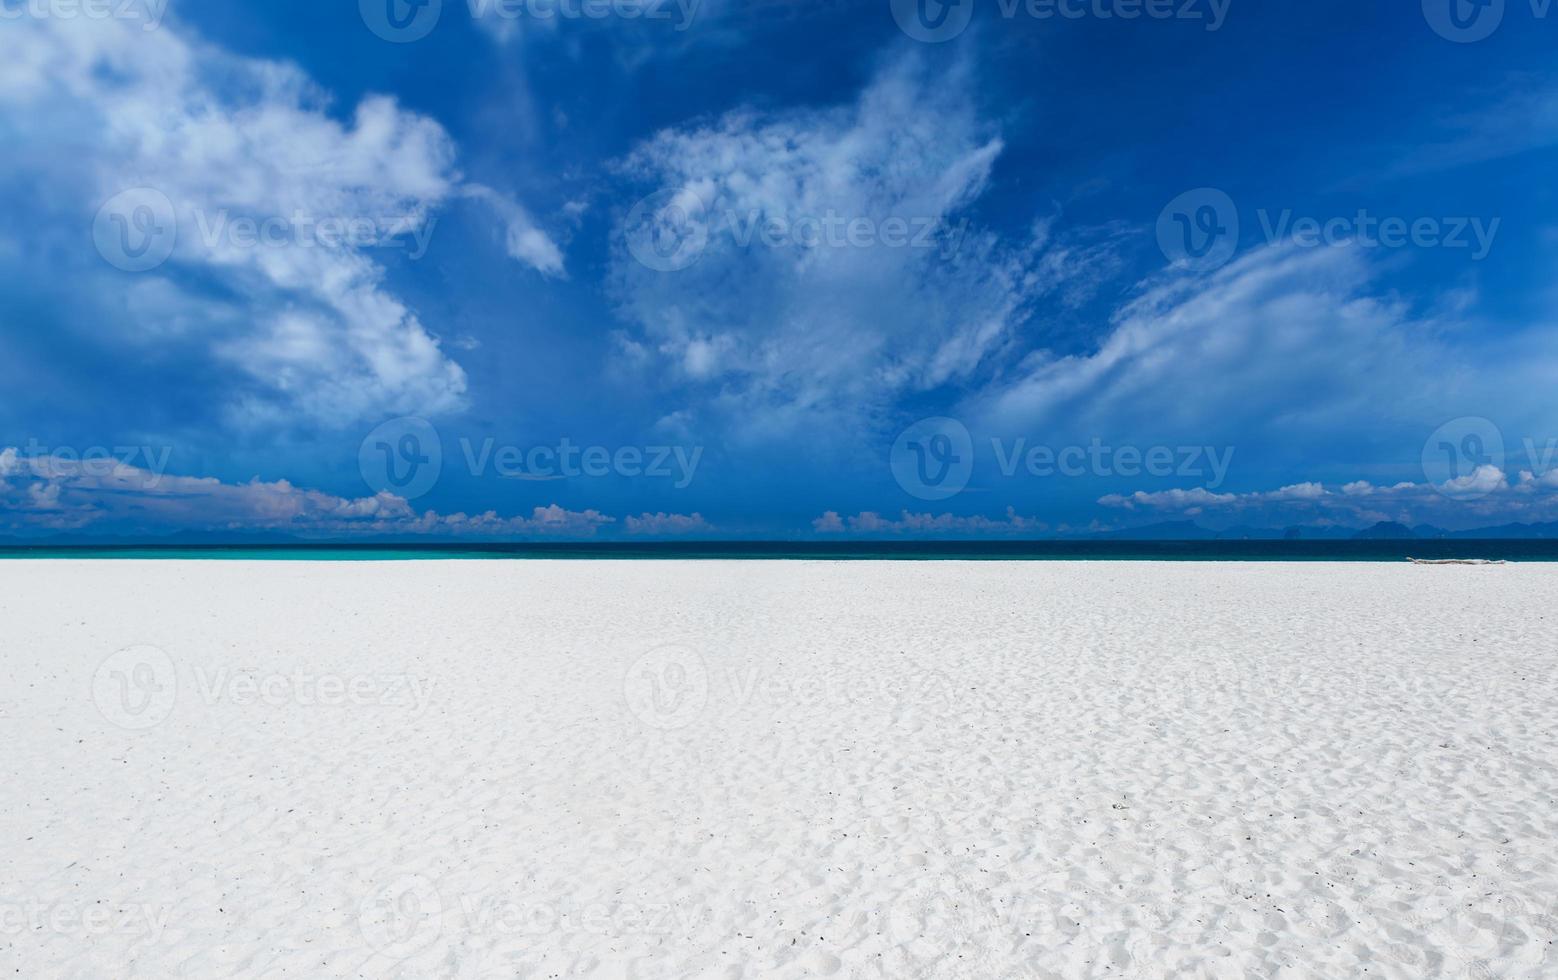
(775, 269)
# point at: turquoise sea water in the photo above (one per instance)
(1510, 550)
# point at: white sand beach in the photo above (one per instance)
(517, 769)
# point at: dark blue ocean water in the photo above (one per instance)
(1509, 550)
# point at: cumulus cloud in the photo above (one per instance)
(1190, 501)
(1198, 498)
(308, 316)
(1483, 496)
(829, 523)
(869, 522)
(667, 524)
(52, 492)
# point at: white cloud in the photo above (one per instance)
(1282, 337)
(1300, 491)
(1483, 497)
(667, 524)
(104, 106)
(525, 240)
(780, 336)
(1547, 480)
(1187, 500)
(870, 522)
(1297, 348)
(829, 523)
(39, 492)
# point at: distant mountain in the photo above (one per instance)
(1165, 531)
(1299, 533)
(1245, 533)
(1385, 531)
(1545, 531)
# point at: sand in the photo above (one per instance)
(727, 769)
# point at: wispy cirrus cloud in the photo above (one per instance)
(773, 334)
(1290, 347)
